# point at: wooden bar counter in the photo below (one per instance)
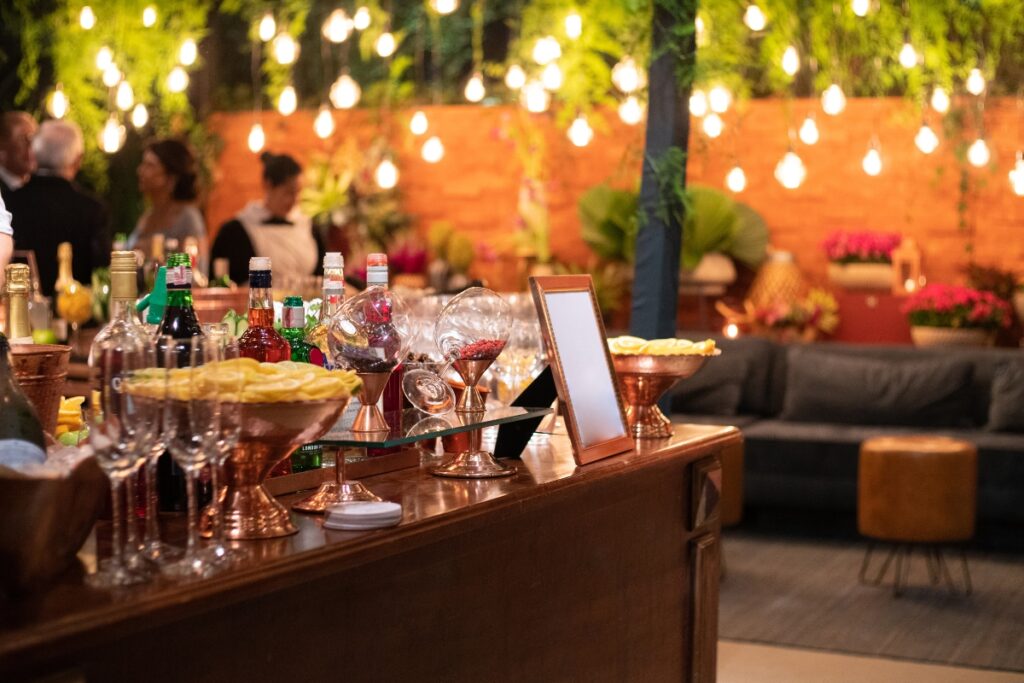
(607, 572)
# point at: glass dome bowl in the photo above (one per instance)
(475, 325)
(370, 333)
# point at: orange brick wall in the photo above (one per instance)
(476, 184)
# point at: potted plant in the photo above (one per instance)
(717, 230)
(952, 315)
(860, 260)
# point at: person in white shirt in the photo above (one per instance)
(17, 160)
(6, 239)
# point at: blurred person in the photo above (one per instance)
(168, 180)
(51, 208)
(272, 226)
(17, 128)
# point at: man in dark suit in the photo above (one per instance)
(50, 208)
(17, 162)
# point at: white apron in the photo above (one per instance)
(291, 248)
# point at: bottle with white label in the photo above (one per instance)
(16, 287)
(21, 435)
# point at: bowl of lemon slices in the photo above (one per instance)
(646, 369)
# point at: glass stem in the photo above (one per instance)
(339, 466)
(117, 549)
(131, 491)
(152, 503)
(193, 528)
(218, 509)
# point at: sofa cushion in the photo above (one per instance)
(1006, 409)
(715, 389)
(840, 389)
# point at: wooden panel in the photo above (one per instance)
(707, 493)
(704, 618)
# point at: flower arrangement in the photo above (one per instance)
(807, 318)
(861, 247)
(940, 305)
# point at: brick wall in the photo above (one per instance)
(476, 183)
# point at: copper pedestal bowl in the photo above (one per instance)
(270, 432)
(644, 378)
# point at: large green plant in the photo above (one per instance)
(715, 222)
(608, 222)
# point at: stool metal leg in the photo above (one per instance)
(902, 552)
(865, 562)
(930, 554)
(968, 588)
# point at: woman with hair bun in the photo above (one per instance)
(167, 178)
(272, 226)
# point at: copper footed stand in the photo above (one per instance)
(643, 379)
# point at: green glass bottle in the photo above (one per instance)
(293, 322)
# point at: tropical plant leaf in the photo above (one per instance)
(749, 243)
(608, 220)
(709, 224)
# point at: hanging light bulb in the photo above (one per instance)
(386, 174)
(286, 50)
(515, 77)
(433, 150)
(975, 82)
(361, 19)
(719, 99)
(112, 136)
(140, 116)
(736, 179)
(287, 101)
(978, 153)
(791, 61)
(1017, 175)
(908, 56)
(58, 104)
(627, 76)
(940, 100)
(188, 52)
(580, 133)
(475, 90)
(790, 171)
(149, 17)
(323, 124)
(809, 131)
(112, 75)
(713, 125)
(631, 111)
(754, 18)
(833, 101)
(698, 103)
(573, 25)
(267, 28)
(418, 124)
(551, 76)
(124, 98)
(444, 6)
(534, 97)
(860, 7)
(926, 139)
(87, 19)
(177, 80)
(104, 58)
(546, 50)
(337, 27)
(702, 34)
(385, 44)
(345, 92)
(872, 161)
(257, 138)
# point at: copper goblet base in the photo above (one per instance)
(470, 461)
(643, 379)
(340, 490)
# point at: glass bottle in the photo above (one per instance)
(155, 261)
(293, 323)
(377, 276)
(17, 286)
(124, 320)
(64, 280)
(332, 298)
(261, 341)
(21, 435)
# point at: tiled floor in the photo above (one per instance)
(751, 663)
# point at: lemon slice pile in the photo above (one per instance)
(635, 346)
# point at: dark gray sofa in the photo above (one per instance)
(804, 410)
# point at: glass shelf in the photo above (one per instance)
(413, 425)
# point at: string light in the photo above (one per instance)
(809, 134)
(627, 76)
(287, 101)
(419, 124)
(698, 25)
(386, 174)
(534, 97)
(433, 150)
(860, 7)
(188, 52)
(978, 153)
(124, 98)
(631, 111)
(833, 101)
(790, 171)
(104, 58)
(87, 19)
(58, 104)
(908, 56)
(345, 92)
(475, 90)
(713, 125)
(546, 50)
(444, 6)
(754, 18)
(267, 28)
(112, 75)
(791, 61)
(149, 18)
(698, 103)
(975, 82)
(573, 25)
(1017, 175)
(177, 80)
(926, 139)
(515, 77)
(872, 161)
(257, 138)
(719, 99)
(323, 124)
(551, 77)
(112, 136)
(286, 50)
(580, 133)
(385, 44)
(736, 179)
(337, 27)
(361, 19)
(940, 100)
(140, 116)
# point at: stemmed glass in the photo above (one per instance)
(423, 380)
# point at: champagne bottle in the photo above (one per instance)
(124, 321)
(17, 286)
(65, 279)
(21, 435)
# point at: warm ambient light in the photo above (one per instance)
(698, 103)
(546, 50)
(790, 171)
(87, 19)
(287, 101)
(580, 133)
(386, 44)
(978, 153)
(713, 125)
(177, 80)
(256, 138)
(754, 18)
(124, 98)
(731, 331)
(926, 139)
(534, 97)
(112, 76)
(286, 50)
(58, 104)
(188, 52)
(631, 111)
(444, 6)
(908, 56)
(809, 134)
(736, 179)
(140, 116)
(104, 58)
(149, 16)
(323, 124)
(267, 28)
(345, 92)
(719, 99)
(1017, 175)
(860, 7)
(361, 19)
(940, 100)
(551, 77)
(975, 82)
(515, 77)
(112, 136)
(702, 34)
(386, 174)
(338, 27)
(573, 25)
(833, 101)
(433, 150)
(475, 90)
(791, 61)
(627, 76)
(872, 162)
(418, 124)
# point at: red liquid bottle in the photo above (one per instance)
(261, 341)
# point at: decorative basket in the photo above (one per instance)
(951, 336)
(779, 279)
(41, 370)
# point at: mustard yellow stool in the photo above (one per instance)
(917, 492)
